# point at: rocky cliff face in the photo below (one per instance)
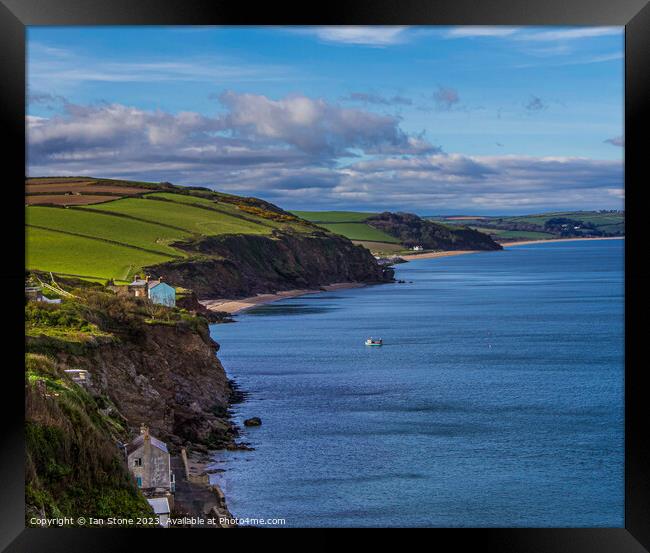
(243, 265)
(170, 378)
(147, 364)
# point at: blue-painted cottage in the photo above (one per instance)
(162, 293)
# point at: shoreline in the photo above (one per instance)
(431, 255)
(526, 242)
(201, 467)
(236, 306)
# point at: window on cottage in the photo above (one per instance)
(137, 462)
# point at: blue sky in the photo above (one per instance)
(424, 119)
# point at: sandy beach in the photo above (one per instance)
(431, 255)
(526, 242)
(235, 306)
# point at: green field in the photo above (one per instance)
(598, 219)
(72, 255)
(118, 238)
(610, 223)
(333, 216)
(349, 224)
(359, 231)
(149, 236)
(512, 234)
(181, 216)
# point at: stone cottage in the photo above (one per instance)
(138, 287)
(148, 460)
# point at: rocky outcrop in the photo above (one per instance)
(169, 377)
(236, 266)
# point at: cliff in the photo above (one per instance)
(412, 230)
(147, 364)
(156, 365)
(244, 265)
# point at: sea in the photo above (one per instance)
(496, 400)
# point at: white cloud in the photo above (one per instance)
(68, 69)
(362, 35)
(301, 151)
(525, 34)
(572, 33)
(312, 125)
(252, 130)
(481, 31)
(455, 181)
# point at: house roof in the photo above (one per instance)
(138, 282)
(154, 283)
(138, 442)
(160, 505)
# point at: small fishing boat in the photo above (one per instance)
(374, 342)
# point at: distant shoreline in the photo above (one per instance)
(525, 242)
(431, 255)
(233, 306)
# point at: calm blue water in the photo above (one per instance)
(497, 399)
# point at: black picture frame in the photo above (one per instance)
(15, 15)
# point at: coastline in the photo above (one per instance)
(235, 306)
(526, 242)
(431, 255)
(234, 467)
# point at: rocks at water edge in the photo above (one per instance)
(254, 421)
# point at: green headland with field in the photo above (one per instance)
(216, 244)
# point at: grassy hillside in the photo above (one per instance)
(352, 225)
(134, 225)
(360, 232)
(390, 234)
(73, 465)
(67, 254)
(333, 216)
